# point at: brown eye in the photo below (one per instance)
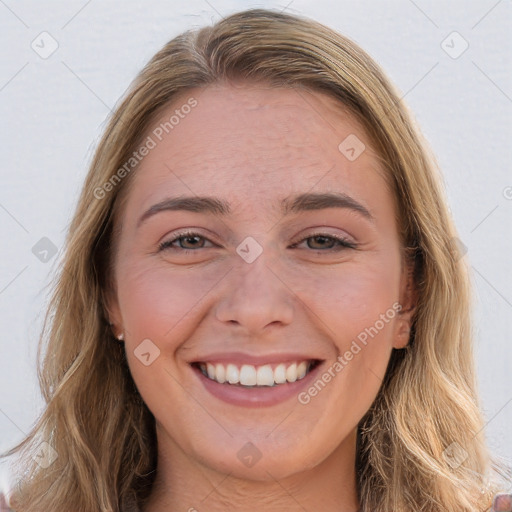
(323, 242)
(186, 242)
(192, 240)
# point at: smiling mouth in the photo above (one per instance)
(250, 376)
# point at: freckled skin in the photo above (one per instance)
(252, 146)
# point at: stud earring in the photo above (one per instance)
(120, 337)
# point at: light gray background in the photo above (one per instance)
(53, 111)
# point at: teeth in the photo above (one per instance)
(220, 374)
(265, 376)
(280, 374)
(249, 375)
(232, 374)
(302, 369)
(291, 373)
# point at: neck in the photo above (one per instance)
(183, 484)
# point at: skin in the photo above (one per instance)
(253, 145)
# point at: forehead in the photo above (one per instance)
(254, 144)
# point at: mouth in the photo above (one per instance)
(256, 376)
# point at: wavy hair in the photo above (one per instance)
(420, 446)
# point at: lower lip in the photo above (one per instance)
(264, 396)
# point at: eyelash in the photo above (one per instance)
(342, 242)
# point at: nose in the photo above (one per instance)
(255, 297)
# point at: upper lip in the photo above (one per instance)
(255, 360)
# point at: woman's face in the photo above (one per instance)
(292, 264)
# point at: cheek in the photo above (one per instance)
(162, 305)
(357, 308)
(357, 312)
(155, 300)
(351, 297)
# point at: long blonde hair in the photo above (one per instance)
(421, 445)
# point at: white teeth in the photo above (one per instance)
(280, 374)
(249, 375)
(220, 373)
(302, 369)
(291, 373)
(232, 374)
(265, 376)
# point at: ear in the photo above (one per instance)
(408, 300)
(112, 311)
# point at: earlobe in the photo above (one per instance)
(114, 329)
(402, 335)
(113, 315)
(408, 300)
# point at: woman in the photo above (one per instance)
(311, 347)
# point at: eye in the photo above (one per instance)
(188, 241)
(327, 242)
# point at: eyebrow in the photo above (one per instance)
(303, 202)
